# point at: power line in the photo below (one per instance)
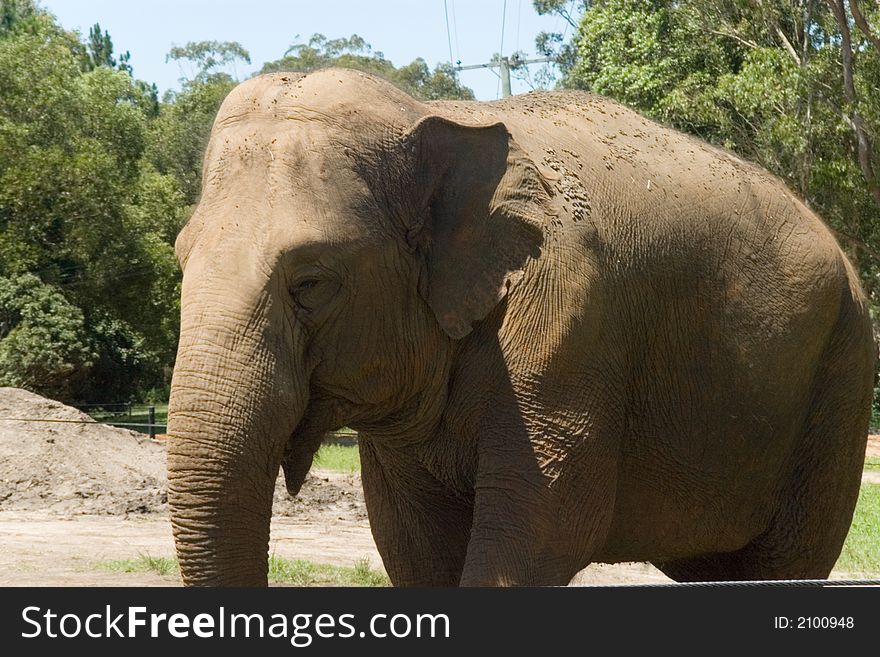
(518, 20)
(503, 24)
(92, 422)
(455, 32)
(503, 64)
(448, 33)
(568, 22)
(501, 49)
(339, 433)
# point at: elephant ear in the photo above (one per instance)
(481, 208)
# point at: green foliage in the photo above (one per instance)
(342, 458)
(416, 78)
(364, 575)
(123, 363)
(83, 212)
(423, 83)
(98, 51)
(16, 13)
(553, 44)
(281, 571)
(43, 341)
(306, 573)
(208, 56)
(321, 52)
(144, 563)
(48, 345)
(634, 51)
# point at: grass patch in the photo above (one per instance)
(872, 462)
(342, 458)
(861, 552)
(281, 571)
(164, 566)
(306, 573)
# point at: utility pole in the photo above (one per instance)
(504, 65)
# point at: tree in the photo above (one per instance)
(123, 365)
(553, 44)
(83, 215)
(98, 51)
(43, 342)
(208, 56)
(854, 113)
(16, 12)
(416, 78)
(423, 83)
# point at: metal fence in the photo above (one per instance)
(153, 428)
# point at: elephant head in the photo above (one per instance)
(347, 239)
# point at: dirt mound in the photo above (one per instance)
(73, 465)
(65, 467)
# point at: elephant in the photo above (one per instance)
(565, 334)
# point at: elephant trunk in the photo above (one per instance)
(232, 411)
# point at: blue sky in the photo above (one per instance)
(401, 30)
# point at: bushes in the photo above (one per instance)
(43, 341)
(49, 346)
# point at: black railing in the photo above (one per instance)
(153, 428)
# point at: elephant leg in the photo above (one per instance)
(534, 527)
(803, 540)
(815, 505)
(508, 546)
(420, 526)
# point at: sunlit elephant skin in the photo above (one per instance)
(566, 335)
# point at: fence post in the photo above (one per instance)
(151, 414)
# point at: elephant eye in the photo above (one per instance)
(300, 290)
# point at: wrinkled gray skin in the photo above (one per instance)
(566, 334)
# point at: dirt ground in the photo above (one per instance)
(75, 493)
(45, 549)
(42, 549)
